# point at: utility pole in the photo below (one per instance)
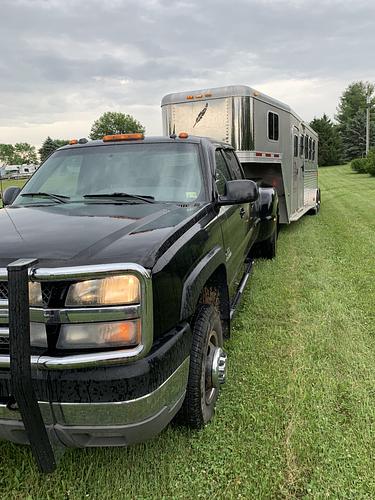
(368, 102)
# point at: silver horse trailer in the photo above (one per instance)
(271, 141)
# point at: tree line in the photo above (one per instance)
(340, 140)
(109, 123)
(345, 139)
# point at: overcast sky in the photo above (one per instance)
(64, 62)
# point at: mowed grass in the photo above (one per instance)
(10, 182)
(297, 416)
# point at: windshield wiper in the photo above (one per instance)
(145, 198)
(58, 197)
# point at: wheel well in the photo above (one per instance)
(215, 292)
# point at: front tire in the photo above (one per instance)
(207, 368)
(268, 248)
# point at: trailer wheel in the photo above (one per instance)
(268, 247)
(207, 369)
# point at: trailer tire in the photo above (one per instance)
(202, 389)
(268, 248)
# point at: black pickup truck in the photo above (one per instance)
(121, 263)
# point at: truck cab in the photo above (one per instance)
(122, 262)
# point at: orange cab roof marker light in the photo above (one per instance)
(73, 141)
(123, 137)
(183, 135)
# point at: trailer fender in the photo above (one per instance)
(196, 280)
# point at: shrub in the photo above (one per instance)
(359, 165)
(370, 162)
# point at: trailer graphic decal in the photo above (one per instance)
(201, 115)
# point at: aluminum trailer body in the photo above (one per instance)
(272, 142)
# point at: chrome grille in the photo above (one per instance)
(47, 290)
(3, 290)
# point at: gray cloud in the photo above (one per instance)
(66, 61)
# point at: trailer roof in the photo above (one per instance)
(219, 92)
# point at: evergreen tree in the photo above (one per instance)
(330, 149)
(49, 146)
(351, 117)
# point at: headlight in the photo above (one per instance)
(35, 294)
(96, 335)
(112, 291)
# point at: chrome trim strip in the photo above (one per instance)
(87, 272)
(250, 157)
(125, 412)
(80, 272)
(45, 408)
(82, 315)
(79, 315)
(4, 332)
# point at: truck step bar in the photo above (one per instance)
(241, 288)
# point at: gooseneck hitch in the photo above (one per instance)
(23, 393)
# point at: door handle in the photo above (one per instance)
(242, 212)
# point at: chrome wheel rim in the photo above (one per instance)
(209, 388)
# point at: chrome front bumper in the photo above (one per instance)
(104, 424)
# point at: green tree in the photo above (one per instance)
(24, 153)
(115, 123)
(351, 118)
(330, 151)
(6, 153)
(49, 146)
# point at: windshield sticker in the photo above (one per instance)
(191, 195)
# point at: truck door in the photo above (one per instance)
(236, 224)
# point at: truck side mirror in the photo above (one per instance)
(10, 194)
(239, 191)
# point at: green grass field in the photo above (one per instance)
(297, 416)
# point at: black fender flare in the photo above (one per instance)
(196, 280)
(268, 212)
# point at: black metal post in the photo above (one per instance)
(20, 364)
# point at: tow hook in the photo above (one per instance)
(219, 367)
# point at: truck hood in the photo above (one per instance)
(84, 234)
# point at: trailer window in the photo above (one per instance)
(222, 172)
(310, 148)
(301, 139)
(313, 150)
(295, 146)
(233, 164)
(273, 126)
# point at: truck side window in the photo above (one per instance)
(222, 172)
(233, 165)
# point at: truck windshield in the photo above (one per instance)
(164, 172)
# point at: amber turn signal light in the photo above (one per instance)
(123, 137)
